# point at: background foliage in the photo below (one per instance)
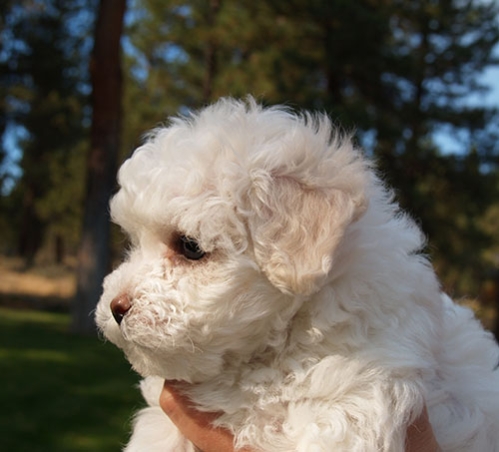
(400, 73)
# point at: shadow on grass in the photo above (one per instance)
(61, 392)
(34, 302)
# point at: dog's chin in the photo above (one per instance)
(150, 356)
(191, 368)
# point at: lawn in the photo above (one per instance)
(61, 392)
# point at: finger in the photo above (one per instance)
(420, 437)
(196, 426)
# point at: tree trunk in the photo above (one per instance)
(496, 295)
(32, 228)
(60, 249)
(210, 54)
(93, 254)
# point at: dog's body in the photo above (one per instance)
(271, 269)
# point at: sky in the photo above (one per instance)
(447, 141)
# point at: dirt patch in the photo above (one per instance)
(41, 286)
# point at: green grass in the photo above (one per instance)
(60, 392)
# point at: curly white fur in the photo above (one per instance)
(313, 323)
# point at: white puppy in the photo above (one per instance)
(271, 269)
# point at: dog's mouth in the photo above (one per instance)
(147, 331)
(139, 314)
(148, 325)
(157, 345)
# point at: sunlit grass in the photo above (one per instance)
(60, 392)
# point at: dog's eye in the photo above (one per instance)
(190, 248)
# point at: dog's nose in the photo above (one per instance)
(120, 306)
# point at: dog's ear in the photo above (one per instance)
(295, 230)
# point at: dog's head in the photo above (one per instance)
(235, 216)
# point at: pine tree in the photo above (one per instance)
(436, 51)
(45, 98)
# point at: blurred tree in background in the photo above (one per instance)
(402, 74)
(45, 84)
(94, 253)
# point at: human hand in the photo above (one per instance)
(196, 426)
(420, 437)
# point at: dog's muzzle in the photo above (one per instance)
(120, 306)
